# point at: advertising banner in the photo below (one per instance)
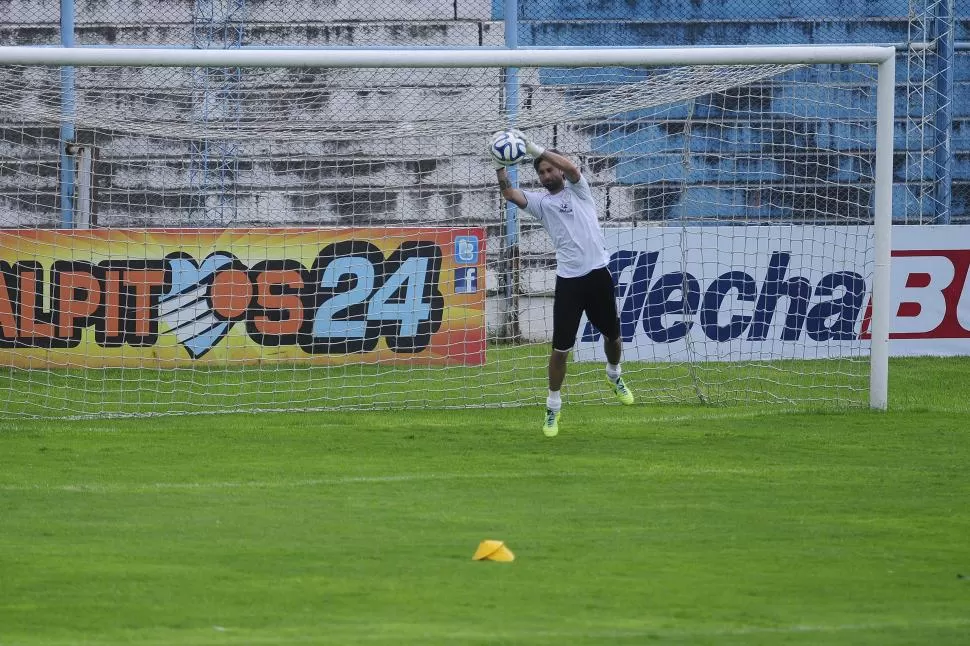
(142, 297)
(774, 292)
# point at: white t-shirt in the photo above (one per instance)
(569, 218)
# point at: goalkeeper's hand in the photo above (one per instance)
(488, 153)
(533, 149)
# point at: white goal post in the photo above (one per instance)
(353, 108)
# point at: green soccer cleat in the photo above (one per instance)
(624, 394)
(550, 427)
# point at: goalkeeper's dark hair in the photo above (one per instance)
(535, 162)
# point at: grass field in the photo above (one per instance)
(688, 524)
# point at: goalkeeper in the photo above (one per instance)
(583, 283)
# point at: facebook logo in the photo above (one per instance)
(466, 250)
(466, 280)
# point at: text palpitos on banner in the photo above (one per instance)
(136, 297)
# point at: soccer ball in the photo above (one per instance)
(507, 148)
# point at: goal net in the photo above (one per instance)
(297, 231)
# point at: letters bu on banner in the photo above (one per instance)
(194, 296)
(782, 292)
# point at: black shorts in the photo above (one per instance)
(593, 294)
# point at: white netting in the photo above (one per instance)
(309, 105)
(670, 153)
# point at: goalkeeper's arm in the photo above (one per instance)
(569, 169)
(509, 192)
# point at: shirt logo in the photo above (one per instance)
(565, 206)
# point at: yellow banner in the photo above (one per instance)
(153, 297)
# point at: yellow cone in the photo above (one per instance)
(493, 551)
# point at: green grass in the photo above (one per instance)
(686, 524)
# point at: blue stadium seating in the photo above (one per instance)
(826, 144)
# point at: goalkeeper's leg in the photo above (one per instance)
(614, 349)
(602, 313)
(567, 310)
(557, 373)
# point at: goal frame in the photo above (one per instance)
(881, 56)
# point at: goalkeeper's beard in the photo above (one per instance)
(554, 185)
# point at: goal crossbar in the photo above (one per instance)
(460, 57)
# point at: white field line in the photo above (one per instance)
(336, 481)
(98, 487)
